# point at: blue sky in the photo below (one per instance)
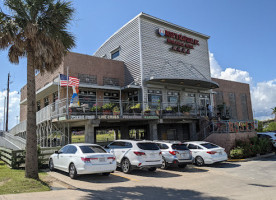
(242, 42)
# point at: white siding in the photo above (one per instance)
(160, 61)
(127, 38)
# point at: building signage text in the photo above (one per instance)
(180, 43)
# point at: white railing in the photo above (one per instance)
(19, 128)
(15, 140)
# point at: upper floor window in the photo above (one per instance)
(38, 105)
(46, 101)
(86, 78)
(115, 54)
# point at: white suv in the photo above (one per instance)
(132, 154)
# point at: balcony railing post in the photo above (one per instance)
(96, 107)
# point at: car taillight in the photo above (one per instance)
(160, 153)
(113, 158)
(211, 152)
(137, 153)
(86, 160)
(174, 152)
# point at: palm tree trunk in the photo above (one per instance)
(31, 162)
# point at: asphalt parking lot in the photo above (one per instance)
(237, 180)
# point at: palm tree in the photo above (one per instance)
(274, 113)
(36, 29)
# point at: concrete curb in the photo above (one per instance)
(253, 158)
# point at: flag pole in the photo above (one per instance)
(67, 111)
(58, 86)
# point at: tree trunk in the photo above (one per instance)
(31, 162)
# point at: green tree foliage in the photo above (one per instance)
(36, 29)
(271, 127)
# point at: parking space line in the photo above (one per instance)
(132, 179)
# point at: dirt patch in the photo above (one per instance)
(55, 183)
(2, 182)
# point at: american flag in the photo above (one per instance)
(73, 81)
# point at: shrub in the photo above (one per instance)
(237, 152)
(96, 108)
(108, 106)
(251, 148)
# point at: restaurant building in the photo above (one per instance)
(150, 80)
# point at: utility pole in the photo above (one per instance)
(7, 114)
(4, 116)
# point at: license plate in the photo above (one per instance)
(220, 153)
(101, 159)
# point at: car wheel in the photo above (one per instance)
(199, 161)
(152, 169)
(126, 166)
(72, 171)
(164, 164)
(106, 174)
(182, 165)
(51, 165)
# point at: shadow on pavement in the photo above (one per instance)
(189, 169)
(97, 178)
(270, 158)
(147, 192)
(157, 174)
(223, 165)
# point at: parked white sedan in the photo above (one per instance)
(206, 153)
(83, 159)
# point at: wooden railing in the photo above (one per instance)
(16, 158)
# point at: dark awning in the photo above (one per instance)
(206, 84)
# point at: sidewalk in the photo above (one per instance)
(54, 194)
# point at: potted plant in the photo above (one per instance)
(185, 109)
(116, 110)
(136, 108)
(169, 110)
(147, 111)
(96, 108)
(107, 108)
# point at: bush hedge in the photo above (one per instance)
(255, 145)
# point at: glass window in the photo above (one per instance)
(179, 147)
(64, 149)
(92, 149)
(116, 145)
(115, 54)
(192, 146)
(209, 145)
(72, 150)
(147, 146)
(46, 101)
(162, 146)
(38, 105)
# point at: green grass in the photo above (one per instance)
(13, 181)
(99, 138)
(78, 138)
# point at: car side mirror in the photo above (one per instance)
(56, 152)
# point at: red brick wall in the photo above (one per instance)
(238, 88)
(77, 63)
(101, 67)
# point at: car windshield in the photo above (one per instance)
(92, 149)
(179, 147)
(209, 146)
(147, 146)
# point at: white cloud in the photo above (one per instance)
(263, 94)
(229, 73)
(14, 108)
